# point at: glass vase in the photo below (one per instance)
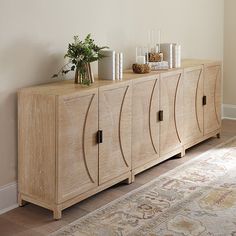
(83, 74)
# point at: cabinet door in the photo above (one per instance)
(145, 127)
(193, 107)
(77, 144)
(171, 98)
(212, 91)
(115, 124)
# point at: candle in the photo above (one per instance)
(141, 60)
(159, 39)
(156, 49)
(120, 66)
(117, 66)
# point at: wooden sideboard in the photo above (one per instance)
(76, 141)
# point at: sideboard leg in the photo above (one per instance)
(128, 180)
(181, 154)
(57, 214)
(132, 177)
(21, 202)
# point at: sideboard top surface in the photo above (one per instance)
(64, 87)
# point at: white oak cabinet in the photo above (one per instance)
(62, 157)
(202, 102)
(157, 119)
(76, 141)
(173, 111)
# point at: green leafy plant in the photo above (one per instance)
(81, 54)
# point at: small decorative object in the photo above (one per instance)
(163, 65)
(141, 68)
(110, 67)
(119, 65)
(172, 54)
(154, 40)
(106, 66)
(81, 54)
(141, 55)
(155, 57)
(177, 56)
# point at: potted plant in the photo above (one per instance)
(80, 55)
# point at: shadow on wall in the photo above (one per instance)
(22, 64)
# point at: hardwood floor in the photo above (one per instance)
(32, 220)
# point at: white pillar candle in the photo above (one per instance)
(156, 49)
(141, 60)
(159, 40)
(120, 66)
(117, 66)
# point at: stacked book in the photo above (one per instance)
(110, 67)
(162, 65)
(172, 54)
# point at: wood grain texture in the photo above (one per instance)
(115, 122)
(77, 146)
(212, 90)
(171, 103)
(145, 127)
(36, 157)
(60, 162)
(36, 221)
(193, 107)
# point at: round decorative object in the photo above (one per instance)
(141, 68)
(155, 57)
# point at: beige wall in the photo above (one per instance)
(34, 36)
(230, 53)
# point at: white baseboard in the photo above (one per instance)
(229, 111)
(8, 197)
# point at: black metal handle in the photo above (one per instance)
(99, 136)
(161, 116)
(204, 100)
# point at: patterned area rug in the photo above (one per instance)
(196, 198)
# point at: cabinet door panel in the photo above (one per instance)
(115, 122)
(212, 91)
(145, 127)
(171, 97)
(193, 107)
(77, 145)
